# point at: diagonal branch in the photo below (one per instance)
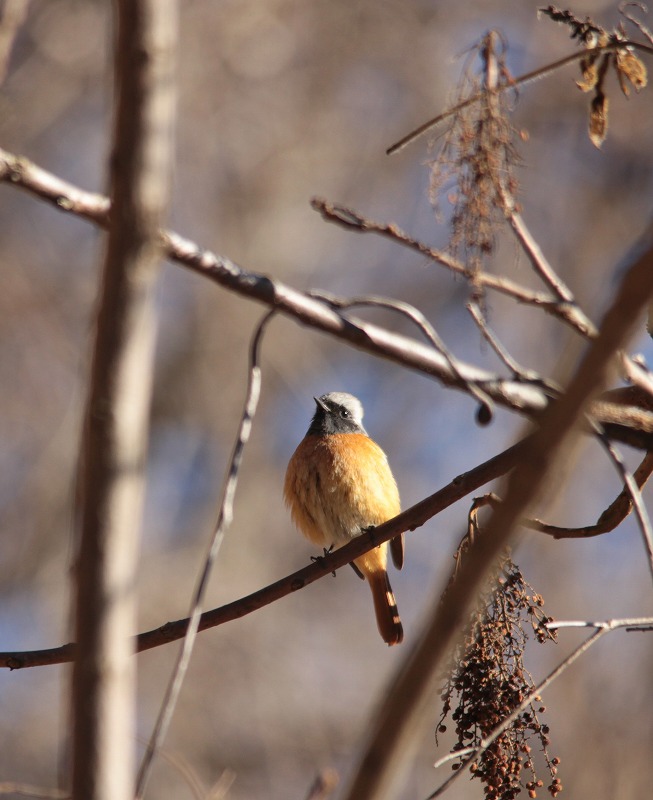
(396, 731)
(628, 423)
(410, 519)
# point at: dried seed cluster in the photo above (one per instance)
(629, 68)
(478, 155)
(490, 681)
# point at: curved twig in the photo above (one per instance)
(225, 516)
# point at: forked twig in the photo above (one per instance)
(562, 309)
(416, 316)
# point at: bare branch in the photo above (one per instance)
(574, 315)
(423, 324)
(626, 423)
(518, 372)
(629, 623)
(564, 310)
(635, 497)
(528, 77)
(408, 520)
(613, 515)
(224, 519)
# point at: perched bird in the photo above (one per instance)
(338, 484)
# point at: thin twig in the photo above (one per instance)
(518, 372)
(561, 309)
(528, 77)
(539, 262)
(224, 518)
(629, 623)
(632, 487)
(613, 515)
(416, 316)
(643, 29)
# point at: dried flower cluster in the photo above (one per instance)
(490, 681)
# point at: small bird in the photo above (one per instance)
(338, 484)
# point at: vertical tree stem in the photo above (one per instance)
(112, 459)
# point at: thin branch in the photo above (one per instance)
(224, 519)
(562, 309)
(643, 29)
(416, 316)
(613, 515)
(575, 316)
(409, 520)
(635, 497)
(518, 372)
(629, 623)
(528, 77)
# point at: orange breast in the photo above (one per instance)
(337, 485)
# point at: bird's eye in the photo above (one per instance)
(344, 412)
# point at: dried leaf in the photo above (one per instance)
(598, 126)
(590, 69)
(630, 68)
(594, 65)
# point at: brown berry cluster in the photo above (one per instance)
(489, 681)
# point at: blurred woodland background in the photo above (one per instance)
(281, 101)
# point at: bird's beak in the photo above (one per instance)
(320, 404)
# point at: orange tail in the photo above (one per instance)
(385, 608)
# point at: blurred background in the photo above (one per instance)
(280, 101)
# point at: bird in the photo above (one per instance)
(339, 484)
